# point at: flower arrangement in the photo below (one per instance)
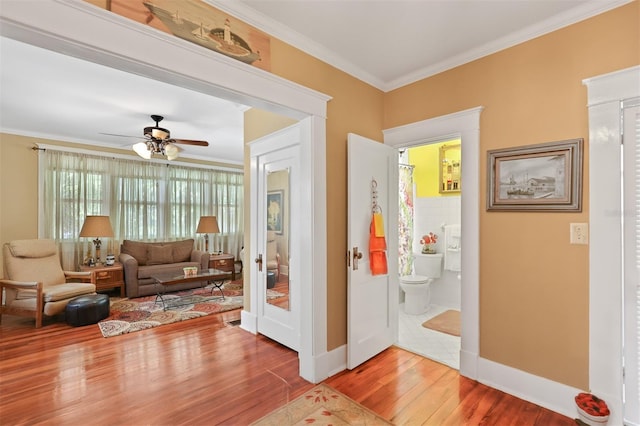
(592, 410)
(428, 241)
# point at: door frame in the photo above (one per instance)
(606, 285)
(466, 126)
(114, 41)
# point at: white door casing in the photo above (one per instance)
(372, 301)
(466, 126)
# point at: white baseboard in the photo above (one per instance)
(248, 322)
(469, 364)
(535, 389)
(330, 363)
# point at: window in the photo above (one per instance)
(144, 200)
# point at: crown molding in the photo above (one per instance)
(311, 47)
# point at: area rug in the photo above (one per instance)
(322, 405)
(446, 322)
(141, 313)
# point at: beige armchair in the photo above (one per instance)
(273, 257)
(35, 283)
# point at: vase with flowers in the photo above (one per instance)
(428, 242)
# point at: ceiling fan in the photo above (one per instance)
(158, 141)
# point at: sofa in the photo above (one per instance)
(140, 260)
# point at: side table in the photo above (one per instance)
(106, 277)
(223, 262)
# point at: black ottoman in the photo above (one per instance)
(88, 309)
(271, 279)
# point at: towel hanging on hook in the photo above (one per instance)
(377, 242)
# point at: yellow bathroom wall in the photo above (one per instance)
(426, 159)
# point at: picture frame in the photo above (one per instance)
(275, 211)
(542, 177)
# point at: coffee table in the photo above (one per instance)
(165, 280)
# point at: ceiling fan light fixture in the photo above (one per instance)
(142, 150)
(157, 133)
(171, 151)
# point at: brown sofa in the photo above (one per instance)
(140, 260)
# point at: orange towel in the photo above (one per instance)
(377, 250)
(379, 224)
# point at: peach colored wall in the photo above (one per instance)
(533, 284)
(18, 190)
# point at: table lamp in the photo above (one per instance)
(207, 225)
(97, 226)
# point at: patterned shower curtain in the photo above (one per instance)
(405, 219)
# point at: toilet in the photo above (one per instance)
(417, 295)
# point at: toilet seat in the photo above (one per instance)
(414, 279)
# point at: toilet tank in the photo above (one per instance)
(428, 265)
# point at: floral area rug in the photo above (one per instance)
(322, 405)
(141, 313)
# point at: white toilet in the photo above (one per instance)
(417, 295)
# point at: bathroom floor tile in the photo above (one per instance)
(431, 344)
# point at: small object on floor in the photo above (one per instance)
(446, 322)
(234, 323)
(87, 309)
(271, 279)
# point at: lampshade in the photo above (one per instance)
(142, 150)
(208, 225)
(171, 151)
(96, 226)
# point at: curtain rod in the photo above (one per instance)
(63, 148)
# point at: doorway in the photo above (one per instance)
(430, 213)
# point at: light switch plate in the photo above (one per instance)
(579, 233)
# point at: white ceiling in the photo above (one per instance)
(387, 43)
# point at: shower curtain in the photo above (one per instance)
(405, 219)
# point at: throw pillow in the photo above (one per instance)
(160, 254)
(136, 249)
(182, 250)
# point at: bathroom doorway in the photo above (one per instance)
(430, 191)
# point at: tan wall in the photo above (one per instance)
(533, 284)
(18, 190)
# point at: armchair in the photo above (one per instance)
(273, 257)
(35, 283)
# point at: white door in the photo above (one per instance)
(372, 323)
(276, 188)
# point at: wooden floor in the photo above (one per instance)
(206, 372)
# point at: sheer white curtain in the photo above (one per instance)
(145, 201)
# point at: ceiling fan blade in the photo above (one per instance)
(190, 142)
(121, 136)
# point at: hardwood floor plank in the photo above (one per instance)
(207, 372)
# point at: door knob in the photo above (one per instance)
(259, 262)
(356, 256)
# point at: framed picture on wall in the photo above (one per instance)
(275, 210)
(542, 177)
